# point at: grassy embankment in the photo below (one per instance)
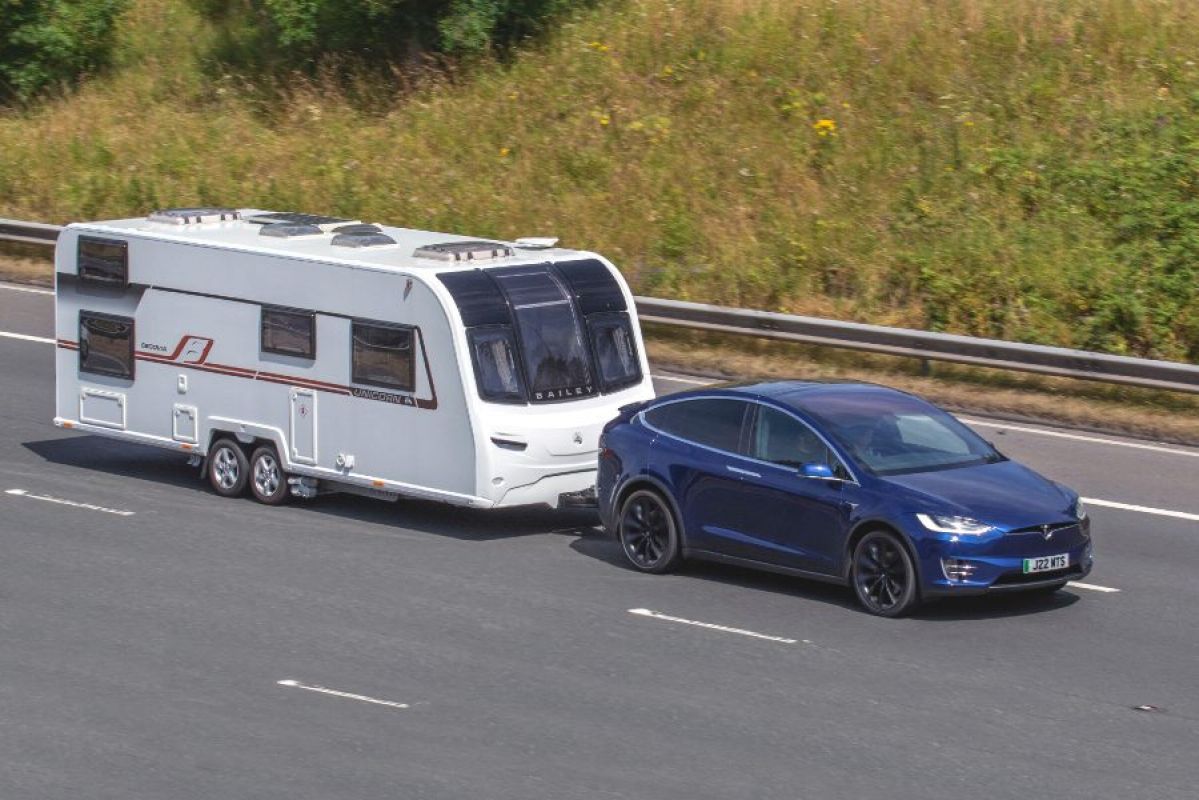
(1006, 168)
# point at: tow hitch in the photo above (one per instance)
(582, 499)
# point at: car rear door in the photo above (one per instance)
(696, 454)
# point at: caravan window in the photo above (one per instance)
(105, 344)
(615, 350)
(382, 355)
(495, 365)
(289, 332)
(103, 261)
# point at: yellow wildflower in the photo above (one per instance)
(825, 127)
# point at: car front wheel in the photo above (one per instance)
(884, 577)
(648, 534)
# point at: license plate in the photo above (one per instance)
(1046, 563)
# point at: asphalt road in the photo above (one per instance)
(141, 654)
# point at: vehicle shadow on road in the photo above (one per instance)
(466, 524)
(114, 457)
(123, 459)
(1000, 606)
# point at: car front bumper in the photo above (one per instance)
(998, 568)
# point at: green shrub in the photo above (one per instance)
(44, 43)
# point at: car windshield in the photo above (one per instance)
(892, 434)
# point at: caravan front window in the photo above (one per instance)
(615, 351)
(551, 343)
(495, 365)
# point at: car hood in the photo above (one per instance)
(1005, 494)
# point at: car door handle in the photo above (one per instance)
(740, 471)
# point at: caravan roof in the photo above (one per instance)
(331, 239)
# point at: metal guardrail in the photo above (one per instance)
(924, 345)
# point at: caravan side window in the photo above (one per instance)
(104, 261)
(382, 355)
(105, 344)
(288, 332)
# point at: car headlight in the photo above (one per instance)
(962, 526)
(1080, 509)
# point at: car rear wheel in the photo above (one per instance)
(648, 534)
(268, 481)
(884, 577)
(228, 470)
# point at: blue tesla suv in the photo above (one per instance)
(844, 482)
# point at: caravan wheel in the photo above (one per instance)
(228, 470)
(268, 481)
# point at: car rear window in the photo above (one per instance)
(711, 422)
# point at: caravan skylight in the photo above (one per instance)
(193, 216)
(464, 251)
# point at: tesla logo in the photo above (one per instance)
(1046, 531)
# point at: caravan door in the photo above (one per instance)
(303, 426)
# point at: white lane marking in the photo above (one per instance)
(692, 381)
(645, 612)
(1161, 512)
(1091, 586)
(322, 690)
(25, 337)
(12, 287)
(71, 503)
(1079, 438)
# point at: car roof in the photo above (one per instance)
(792, 392)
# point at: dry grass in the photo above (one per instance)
(22, 268)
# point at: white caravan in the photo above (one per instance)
(293, 353)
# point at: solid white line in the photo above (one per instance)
(693, 381)
(25, 337)
(1161, 512)
(322, 690)
(71, 503)
(1079, 438)
(1091, 586)
(645, 612)
(12, 287)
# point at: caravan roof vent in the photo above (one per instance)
(464, 251)
(192, 216)
(288, 230)
(296, 218)
(357, 227)
(365, 239)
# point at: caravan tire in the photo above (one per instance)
(268, 481)
(228, 470)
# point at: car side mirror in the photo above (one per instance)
(817, 470)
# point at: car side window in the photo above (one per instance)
(782, 439)
(711, 422)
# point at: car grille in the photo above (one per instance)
(1055, 529)
(1018, 578)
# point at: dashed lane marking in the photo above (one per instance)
(59, 501)
(645, 612)
(1080, 438)
(1161, 512)
(680, 379)
(12, 287)
(293, 684)
(1092, 587)
(25, 337)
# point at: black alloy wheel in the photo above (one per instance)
(647, 533)
(884, 577)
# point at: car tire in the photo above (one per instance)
(648, 533)
(883, 575)
(268, 481)
(228, 470)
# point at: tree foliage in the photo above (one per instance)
(383, 30)
(44, 43)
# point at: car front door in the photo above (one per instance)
(794, 520)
